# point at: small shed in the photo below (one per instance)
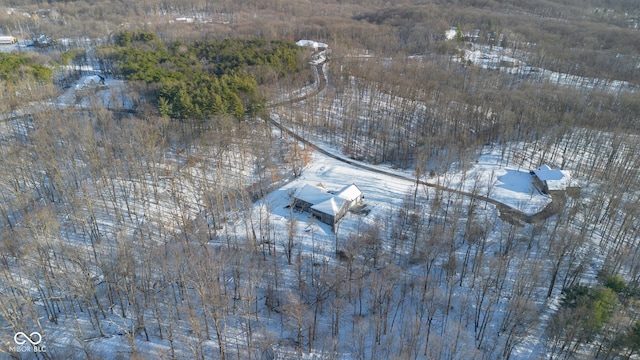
(8, 40)
(547, 179)
(508, 62)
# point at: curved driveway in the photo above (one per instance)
(507, 213)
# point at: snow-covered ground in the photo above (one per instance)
(108, 92)
(511, 252)
(510, 186)
(382, 194)
(498, 58)
(487, 177)
(87, 92)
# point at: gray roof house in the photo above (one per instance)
(328, 207)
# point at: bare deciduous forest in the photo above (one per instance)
(151, 154)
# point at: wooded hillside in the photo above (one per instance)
(204, 79)
(150, 155)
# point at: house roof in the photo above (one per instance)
(312, 194)
(554, 178)
(311, 44)
(349, 192)
(330, 206)
(327, 203)
(545, 173)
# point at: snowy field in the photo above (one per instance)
(382, 195)
(510, 186)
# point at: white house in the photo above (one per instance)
(326, 206)
(314, 45)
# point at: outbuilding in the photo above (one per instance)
(508, 62)
(8, 40)
(547, 179)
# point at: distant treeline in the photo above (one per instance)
(202, 79)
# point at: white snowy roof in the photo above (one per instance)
(312, 194)
(331, 206)
(349, 192)
(554, 178)
(509, 59)
(311, 44)
(7, 39)
(88, 80)
(325, 202)
(545, 173)
(450, 34)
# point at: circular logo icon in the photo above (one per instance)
(21, 338)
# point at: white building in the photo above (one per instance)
(326, 206)
(548, 179)
(8, 40)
